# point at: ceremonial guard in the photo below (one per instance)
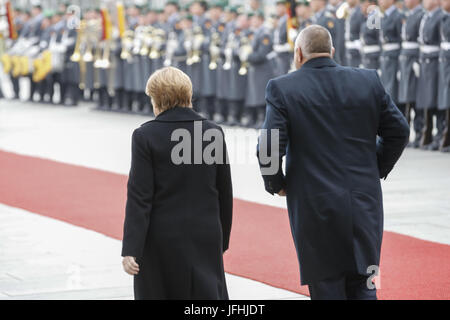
(353, 22)
(336, 6)
(176, 54)
(212, 29)
(70, 77)
(410, 67)
(41, 82)
(223, 75)
(303, 14)
(390, 37)
(444, 74)
(427, 88)
(260, 70)
(370, 36)
(281, 45)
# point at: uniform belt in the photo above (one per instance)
(410, 45)
(445, 46)
(429, 49)
(371, 49)
(391, 46)
(355, 44)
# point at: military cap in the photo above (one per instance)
(302, 3)
(49, 13)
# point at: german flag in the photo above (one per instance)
(292, 22)
(121, 19)
(106, 24)
(10, 18)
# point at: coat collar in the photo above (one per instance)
(319, 62)
(178, 114)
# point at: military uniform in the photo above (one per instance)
(208, 75)
(371, 47)
(352, 37)
(259, 73)
(223, 75)
(390, 37)
(238, 82)
(444, 78)
(119, 79)
(282, 47)
(71, 74)
(409, 68)
(427, 88)
(339, 35)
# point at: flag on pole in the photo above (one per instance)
(10, 18)
(106, 24)
(292, 22)
(121, 19)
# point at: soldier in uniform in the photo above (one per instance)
(427, 88)
(238, 81)
(409, 66)
(390, 37)
(323, 17)
(226, 29)
(353, 23)
(281, 45)
(444, 73)
(44, 42)
(20, 20)
(70, 77)
(194, 46)
(260, 70)
(370, 36)
(33, 31)
(303, 14)
(171, 11)
(91, 46)
(211, 42)
(339, 41)
(177, 56)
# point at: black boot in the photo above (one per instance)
(235, 112)
(445, 145)
(427, 136)
(101, 103)
(440, 125)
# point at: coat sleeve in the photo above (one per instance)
(276, 119)
(224, 187)
(139, 198)
(393, 133)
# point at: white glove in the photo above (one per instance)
(228, 51)
(188, 45)
(416, 68)
(214, 50)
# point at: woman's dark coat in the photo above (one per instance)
(178, 217)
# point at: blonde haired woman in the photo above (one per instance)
(178, 215)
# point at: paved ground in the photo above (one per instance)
(33, 263)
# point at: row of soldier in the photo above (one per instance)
(230, 54)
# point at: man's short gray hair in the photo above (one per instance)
(314, 39)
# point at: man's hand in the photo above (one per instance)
(282, 193)
(130, 266)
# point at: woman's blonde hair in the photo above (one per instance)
(169, 87)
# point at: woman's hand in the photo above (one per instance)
(130, 266)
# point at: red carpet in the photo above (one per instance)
(261, 246)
